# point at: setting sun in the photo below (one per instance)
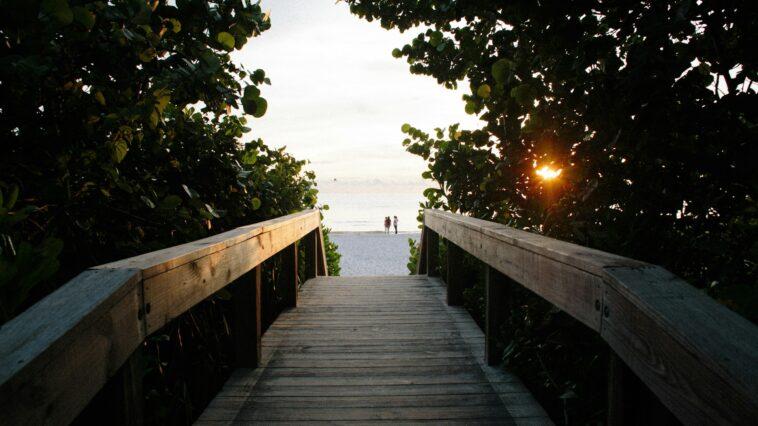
(547, 173)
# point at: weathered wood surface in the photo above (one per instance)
(56, 356)
(697, 356)
(364, 349)
(322, 269)
(172, 292)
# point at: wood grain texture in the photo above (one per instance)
(92, 325)
(698, 357)
(322, 268)
(173, 292)
(94, 322)
(421, 266)
(563, 284)
(335, 358)
(160, 261)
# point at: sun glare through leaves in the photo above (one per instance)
(547, 173)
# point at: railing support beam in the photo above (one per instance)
(454, 277)
(246, 300)
(289, 275)
(310, 244)
(497, 289)
(432, 241)
(322, 269)
(421, 267)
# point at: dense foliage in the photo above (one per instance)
(648, 110)
(119, 137)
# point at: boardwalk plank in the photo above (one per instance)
(374, 350)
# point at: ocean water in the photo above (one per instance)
(364, 209)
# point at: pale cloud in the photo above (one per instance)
(338, 97)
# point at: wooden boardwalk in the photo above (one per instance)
(374, 349)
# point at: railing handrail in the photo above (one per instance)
(56, 355)
(697, 356)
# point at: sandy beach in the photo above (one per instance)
(373, 253)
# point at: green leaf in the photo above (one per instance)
(147, 55)
(483, 91)
(148, 202)
(100, 98)
(435, 38)
(260, 108)
(430, 192)
(405, 128)
(226, 40)
(501, 69)
(212, 211)
(523, 94)
(251, 93)
(397, 53)
(162, 98)
(57, 10)
(470, 108)
(171, 202)
(83, 16)
(176, 25)
(12, 198)
(118, 149)
(255, 203)
(191, 192)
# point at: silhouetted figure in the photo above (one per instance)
(394, 222)
(387, 223)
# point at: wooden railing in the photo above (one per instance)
(699, 358)
(59, 353)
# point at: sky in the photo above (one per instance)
(338, 98)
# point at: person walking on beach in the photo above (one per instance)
(387, 223)
(394, 222)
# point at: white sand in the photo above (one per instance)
(373, 253)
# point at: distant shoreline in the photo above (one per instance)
(374, 232)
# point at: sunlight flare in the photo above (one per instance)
(548, 173)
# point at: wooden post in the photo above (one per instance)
(615, 414)
(454, 274)
(496, 290)
(120, 402)
(288, 280)
(631, 402)
(246, 300)
(432, 253)
(310, 244)
(322, 268)
(421, 267)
